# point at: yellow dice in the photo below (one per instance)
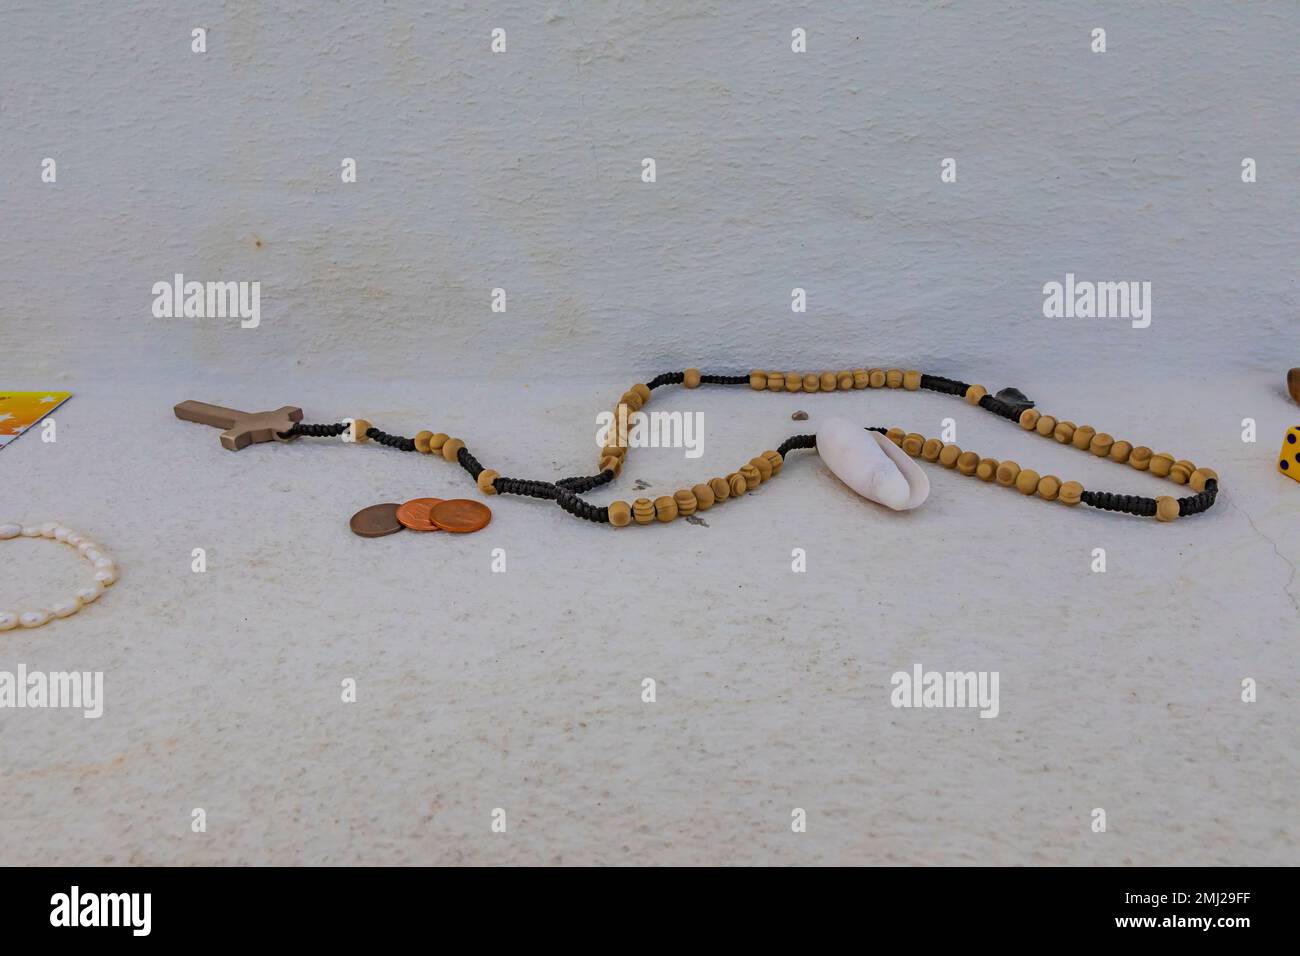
(1288, 462)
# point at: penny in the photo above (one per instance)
(376, 521)
(460, 515)
(414, 514)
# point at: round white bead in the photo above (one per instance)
(91, 594)
(61, 533)
(8, 620)
(106, 576)
(9, 530)
(47, 529)
(31, 531)
(85, 546)
(75, 538)
(92, 554)
(105, 564)
(34, 618)
(66, 608)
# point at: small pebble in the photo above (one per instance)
(800, 416)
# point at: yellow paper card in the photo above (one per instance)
(19, 411)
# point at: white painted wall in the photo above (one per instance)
(522, 171)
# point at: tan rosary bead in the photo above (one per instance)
(1083, 437)
(736, 484)
(1027, 481)
(1007, 472)
(751, 476)
(359, 428)
(686, 502)
(632, 400)
(421, 440)
(967, 462)
(1140, 458)
(438, 440)
(1046, 425)
(930, 450)
(896, 435)
(894, 378)
(691, 378)
(776, 381)
(974, 393)
(844, 380)
(666, 508)
(451, 447)
(611, 463)
(1064, 432)
(911, 380)
(987, 469)
(1166, 508)
(948, 457)
(758, 380)
(812, 382)
(1161, 464)
(643, 511)
(774, 459)
(1071, 493)
(1181, 471)
(613, 451)
(763, 466)
(1200, 476)
(1120, 451)
(913, 443)
(828, 381)
(1049, 486)
(876, 378)
(793, 382)
(1101, 444)
(1029, 419)
(721, 490)
(703, 497)
(485, 479)
(861, 378)
(620, 514)
(643, 390)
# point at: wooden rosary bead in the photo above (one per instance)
(948, 457)
(1064, 432)
(913, 443)
(736, 484)
(643, 511)
(894, 378)
(359, 428)
(844, 380)
(1101, 444)
(643, 390)
(1161, 464)
(1007, 473)
(422, 442)
(828, 381)
(987, 469)
(876, 378)
(1200, 476)
(1071, 493)
(896, 435)
(1046, 425)
(974, 393)
(967, 462)
(1083, 437)
(721, 489)
(751, 476)
(485, 479)
(861, 378)
(686, 502)
(613, 451)
(611, 463)
(1049, 486)
(775, 460)
(632, 400)
(1166, 508)
(451, 448)
(1181, 472)
(1140, 458)
(1029, 419)
(812, 382)
(620, 514)
(763, 466)
(438, 440)
(703, 497)
(930, 450)
(776, 381)
(665, 508)
(691, 378)
(758, 380)
(911, 380)
(1120, 451)
(793, 382)
(1027, 481)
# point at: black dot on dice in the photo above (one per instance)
(1291, 439)
(1285, 464)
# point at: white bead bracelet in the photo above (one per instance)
(105, 573)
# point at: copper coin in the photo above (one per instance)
(414, 514)
(376, 521)
(460, 515)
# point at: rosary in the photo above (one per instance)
(876, 462)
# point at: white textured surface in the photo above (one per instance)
(522, 690)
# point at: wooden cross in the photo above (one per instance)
(241, 428)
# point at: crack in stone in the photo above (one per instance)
(1291, 564)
